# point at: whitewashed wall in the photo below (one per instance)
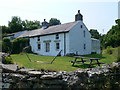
(77, 40)
(53, 51)
(71, 42)
(95, 45)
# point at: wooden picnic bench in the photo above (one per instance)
(83, 60)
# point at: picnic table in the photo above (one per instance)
(83, 60)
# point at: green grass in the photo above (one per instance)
(60, 64)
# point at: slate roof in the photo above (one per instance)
(50, 30)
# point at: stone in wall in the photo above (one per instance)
(100, 78)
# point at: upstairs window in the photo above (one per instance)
(39, 46)
(84, 33)
(84, 46)
(38, 38)
(81, 26)
(57, 36)
(57, 46)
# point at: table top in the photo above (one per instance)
(86, 58)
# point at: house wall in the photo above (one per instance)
(77, 39)
(53, 40)
(95, 45)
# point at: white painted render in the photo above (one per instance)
(95, 43)
(70, 42)
(53, 40)
(77, 39)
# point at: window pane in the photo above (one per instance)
(39, 46)
(57, 46)
(84, 33)
(47, 47)
(57, 36)
(38, 38)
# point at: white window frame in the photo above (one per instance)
(84, 46)
(47, 47)
(39, 46)
(57, 36)
(57, 46)
(84, 33)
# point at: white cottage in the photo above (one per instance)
(72, 37)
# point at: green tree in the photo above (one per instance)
(30, 25)
(6, 45)
(19, 44)
(95, 33)
(54, 21)
(112, 38)
(15, 24)
(5, 29)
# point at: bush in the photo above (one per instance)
(93, 53)
(6, 45)
(109, 50)
(70, 54)
(118, 55)
(8, 60)
(19, 44)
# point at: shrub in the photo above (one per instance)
(118, 55)
(93, 53)
(109, 50)
(8, 60)
(70, 54)
(6, 45)
(19, 44)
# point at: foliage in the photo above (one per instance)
(19, 44)
(118, 55)
(109, 50)
(54, 21)
(15, 24)
(5, 29)
(8, 60)
(112, 38)
(30, 25)
(6, 45)
(95, 34)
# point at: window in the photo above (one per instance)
(84, 46)
(38, 38)
(47, 46)
(57, 46)
(57, 36)
(81, 26)
(84, 33)
(39, 46)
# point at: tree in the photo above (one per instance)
(54, 21)
(112, 38)
(5, 29)
(95, 33)
(15, 24)
(30, 25)
(19, 44)
(6, 45)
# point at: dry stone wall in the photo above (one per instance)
(98, 78)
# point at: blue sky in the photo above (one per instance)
(99, 15)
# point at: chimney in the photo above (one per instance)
(78, 16)
(45, 24)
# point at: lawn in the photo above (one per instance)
(60, 64)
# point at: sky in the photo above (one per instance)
(100, 15)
